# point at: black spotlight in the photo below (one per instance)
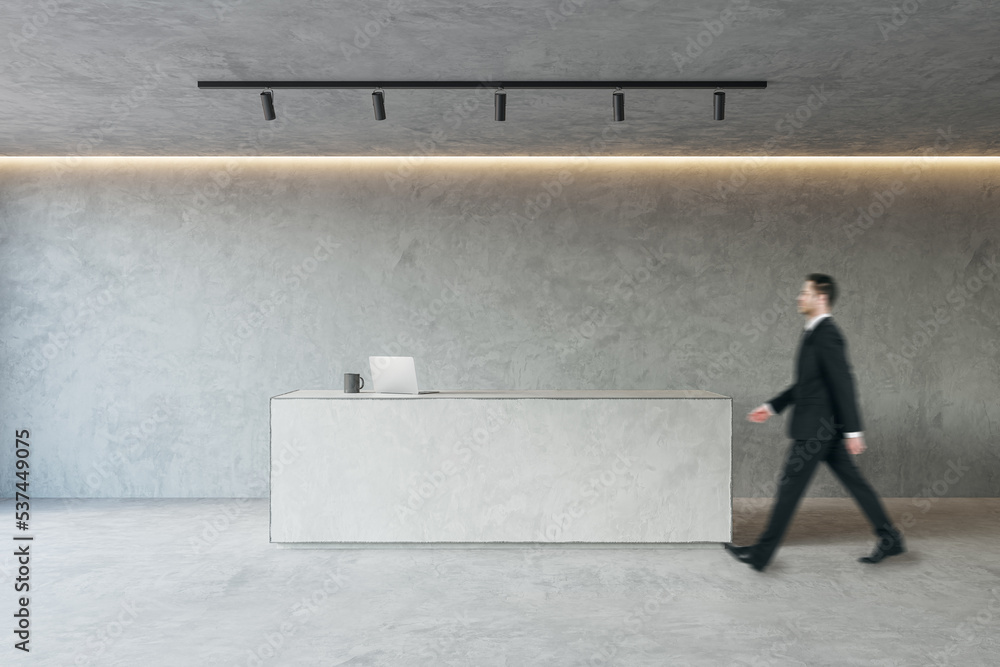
(500, 105)
(378, 101)
(619, 103)
(720, 105)
(267, 101)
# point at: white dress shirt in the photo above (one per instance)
(809, 327)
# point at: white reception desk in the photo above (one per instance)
(616, 467)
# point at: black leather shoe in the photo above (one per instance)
(743, 555)
(732, 548)
(893, 549)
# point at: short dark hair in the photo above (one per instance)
(824, 285)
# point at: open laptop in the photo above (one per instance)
(394, 375)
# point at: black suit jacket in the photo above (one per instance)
(823, 392)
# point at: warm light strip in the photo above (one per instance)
(503, 157)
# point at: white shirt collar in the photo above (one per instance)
(814, 321)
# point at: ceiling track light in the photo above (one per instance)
(441, 84)
(500, 96)
(378, 101)
(500, 105)
(267, 101)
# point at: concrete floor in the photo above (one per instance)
(150, 582)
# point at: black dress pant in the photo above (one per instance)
(803, 457)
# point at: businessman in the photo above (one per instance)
(825, 414)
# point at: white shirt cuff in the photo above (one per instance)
(770, 409)
(854, 435)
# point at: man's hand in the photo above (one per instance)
(856, 445)
(759, 416)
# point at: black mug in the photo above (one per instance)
(353, 383)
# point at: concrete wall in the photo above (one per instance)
(151, 307)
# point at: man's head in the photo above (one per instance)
(817, 295)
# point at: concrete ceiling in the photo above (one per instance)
(844, 78)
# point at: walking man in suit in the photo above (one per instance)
(825, 414)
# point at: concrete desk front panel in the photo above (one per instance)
(489, 466)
